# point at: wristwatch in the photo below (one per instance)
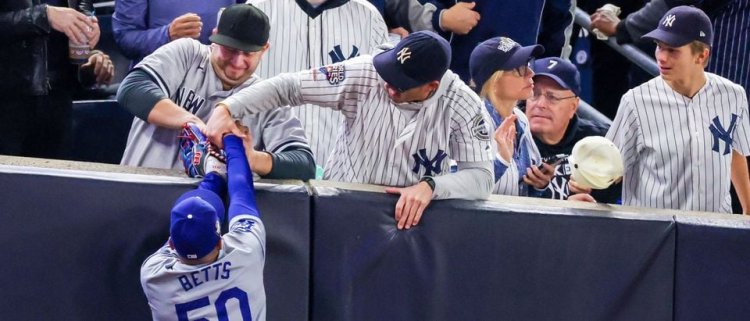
(429, 181)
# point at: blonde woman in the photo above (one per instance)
(501, 74)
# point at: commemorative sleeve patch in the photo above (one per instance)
(335, 74)
(479, 128)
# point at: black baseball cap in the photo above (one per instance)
(499, 53)
(563, 72)
(682, 25)
(420, 58)
(243, 27)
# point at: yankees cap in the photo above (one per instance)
(499, 53)
(682, 25)
(595, 162)
(243, 27)
(195, 224)
(563, 72)
(419, 58)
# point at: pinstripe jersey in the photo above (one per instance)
(303, 37)
(730, 56)
(183, 70)
(677, 151)
(231, 286)
(381, 143)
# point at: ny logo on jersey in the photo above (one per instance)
(669, 20)
(338, 56)
(404, 55)
(721, 134)
(430, 165)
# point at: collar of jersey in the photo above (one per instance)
(313, 12)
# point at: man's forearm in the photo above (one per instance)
(279, 91)
(472, 181)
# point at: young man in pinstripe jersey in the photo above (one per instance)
(679, 132)
(309, 33)
(406, 115)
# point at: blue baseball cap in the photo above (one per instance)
(563, 72)
(682, 25)
(418, 59)
(195, 224)
(499, 53)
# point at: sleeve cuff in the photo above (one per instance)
(502, 161)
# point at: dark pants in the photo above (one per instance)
(36, 126)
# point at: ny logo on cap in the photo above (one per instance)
(702, 34)
(404, 55)
(506, 44)
(669, 20)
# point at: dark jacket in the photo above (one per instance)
(23, 47)
(578, 129)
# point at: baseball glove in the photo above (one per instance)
(199, 156)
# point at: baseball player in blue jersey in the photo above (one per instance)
(680, 132)
(406, 115)
(182, 82)
(199, 274)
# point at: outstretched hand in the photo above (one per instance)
(221, 123)
(412, 203)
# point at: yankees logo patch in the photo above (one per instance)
(479, 128)
(334, 73)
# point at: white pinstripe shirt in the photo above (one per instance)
(381, 142)
(677, 150)
(300, 40)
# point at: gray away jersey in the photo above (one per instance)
(677, 151)
(182, 69)
(232, 286)
(299, 41)
(381, 142)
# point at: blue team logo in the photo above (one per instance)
(723, 135)
(335, 74)
(338, 56)
(431, 165)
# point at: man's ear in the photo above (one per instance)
(214, 31)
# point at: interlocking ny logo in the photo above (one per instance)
(430, 165)
(338, 56)
(669, 20)
(404, 55)
(721, 134)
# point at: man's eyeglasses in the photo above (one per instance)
(549, 96)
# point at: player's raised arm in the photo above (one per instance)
(239, 180)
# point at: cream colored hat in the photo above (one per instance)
(595, 162)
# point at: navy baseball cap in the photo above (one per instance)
(499, 53)
(419, 58)
(682, 25)
(243, 27)
(195, 224)
(563, 72)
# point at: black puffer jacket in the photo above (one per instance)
(24, 31)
